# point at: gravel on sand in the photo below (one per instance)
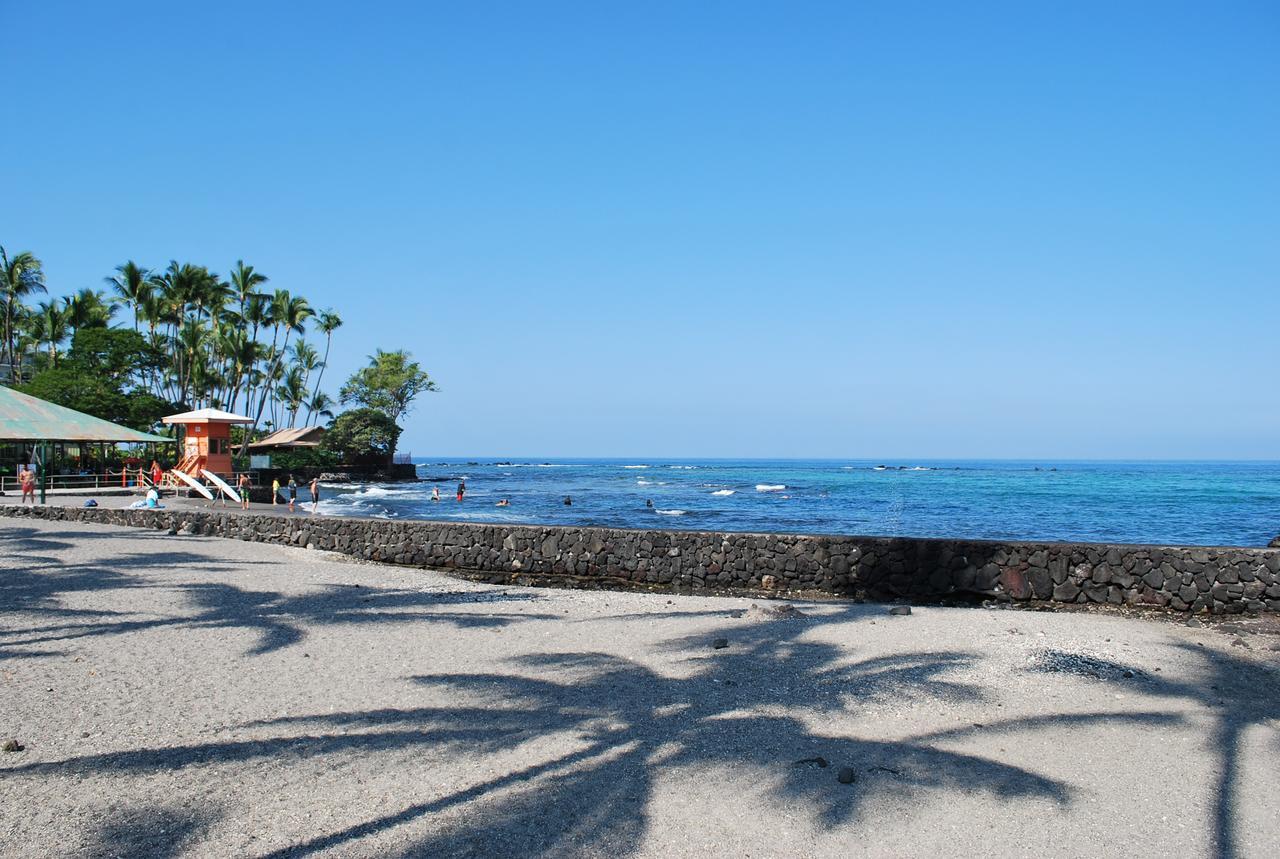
(192, 696)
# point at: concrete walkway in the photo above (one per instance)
(187, 696)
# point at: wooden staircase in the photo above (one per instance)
(189, 464)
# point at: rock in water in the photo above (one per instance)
(900, 610)
(720, 643)
(846, 775)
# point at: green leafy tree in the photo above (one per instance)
(390, 384)
(101, 375)
(360, 435)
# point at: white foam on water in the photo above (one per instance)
(683, 467)
(640, 481)
(671, 512)
(723, 492)
(636, 466)
(770, 487)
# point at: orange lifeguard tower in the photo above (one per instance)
(208, 441)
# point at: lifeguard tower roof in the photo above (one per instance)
(204, 416)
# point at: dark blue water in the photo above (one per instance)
(1200, 503)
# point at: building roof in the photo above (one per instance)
(201, 416)
(297, 437)
(27, 418)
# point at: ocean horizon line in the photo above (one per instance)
(421, 459)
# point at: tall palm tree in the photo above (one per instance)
(304, 357)
(131, 284)
(292, 393)
(20, 275)
(288, 313)
(244, 283)
(328, 322)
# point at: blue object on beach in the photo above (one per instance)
(91, 503)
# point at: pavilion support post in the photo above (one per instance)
(42, 469)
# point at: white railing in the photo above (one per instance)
(101, 480)
(129, 479)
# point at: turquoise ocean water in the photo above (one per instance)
(1200, 503)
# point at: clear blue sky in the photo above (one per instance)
(702, 229)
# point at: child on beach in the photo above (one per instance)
(242, 486)
(275, 492)
(27, 478)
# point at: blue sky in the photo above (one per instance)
(702, 229)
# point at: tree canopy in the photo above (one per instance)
(361, 434)
(390, 383)
(100, 376)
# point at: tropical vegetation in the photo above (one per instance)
(156, 340)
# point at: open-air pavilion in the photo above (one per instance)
(76, 449)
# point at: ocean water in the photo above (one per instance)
(1196, 503)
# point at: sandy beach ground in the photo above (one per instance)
(189, 696)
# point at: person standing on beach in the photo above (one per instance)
(27, 480)
(242, 486)
(157, 473)
(293, 492)
(315, 493)
(275, 492)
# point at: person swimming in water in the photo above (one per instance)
(649, 503)
(462, 489)
(568, 502)
(503, 503)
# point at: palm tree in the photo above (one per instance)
(328, 322)
(244, 284)
(319, 406)
(292, 393)
(304, 356)
(289, 313)
(132, 286)
(49, 325)
(20, 276)
(88, 308)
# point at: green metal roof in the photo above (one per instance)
(26, 418)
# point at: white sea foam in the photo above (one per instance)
(635, 466)
(671, 512)
(723, 492)
(683, 467)
(770, 487)
(385, 492)
(640, 481)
